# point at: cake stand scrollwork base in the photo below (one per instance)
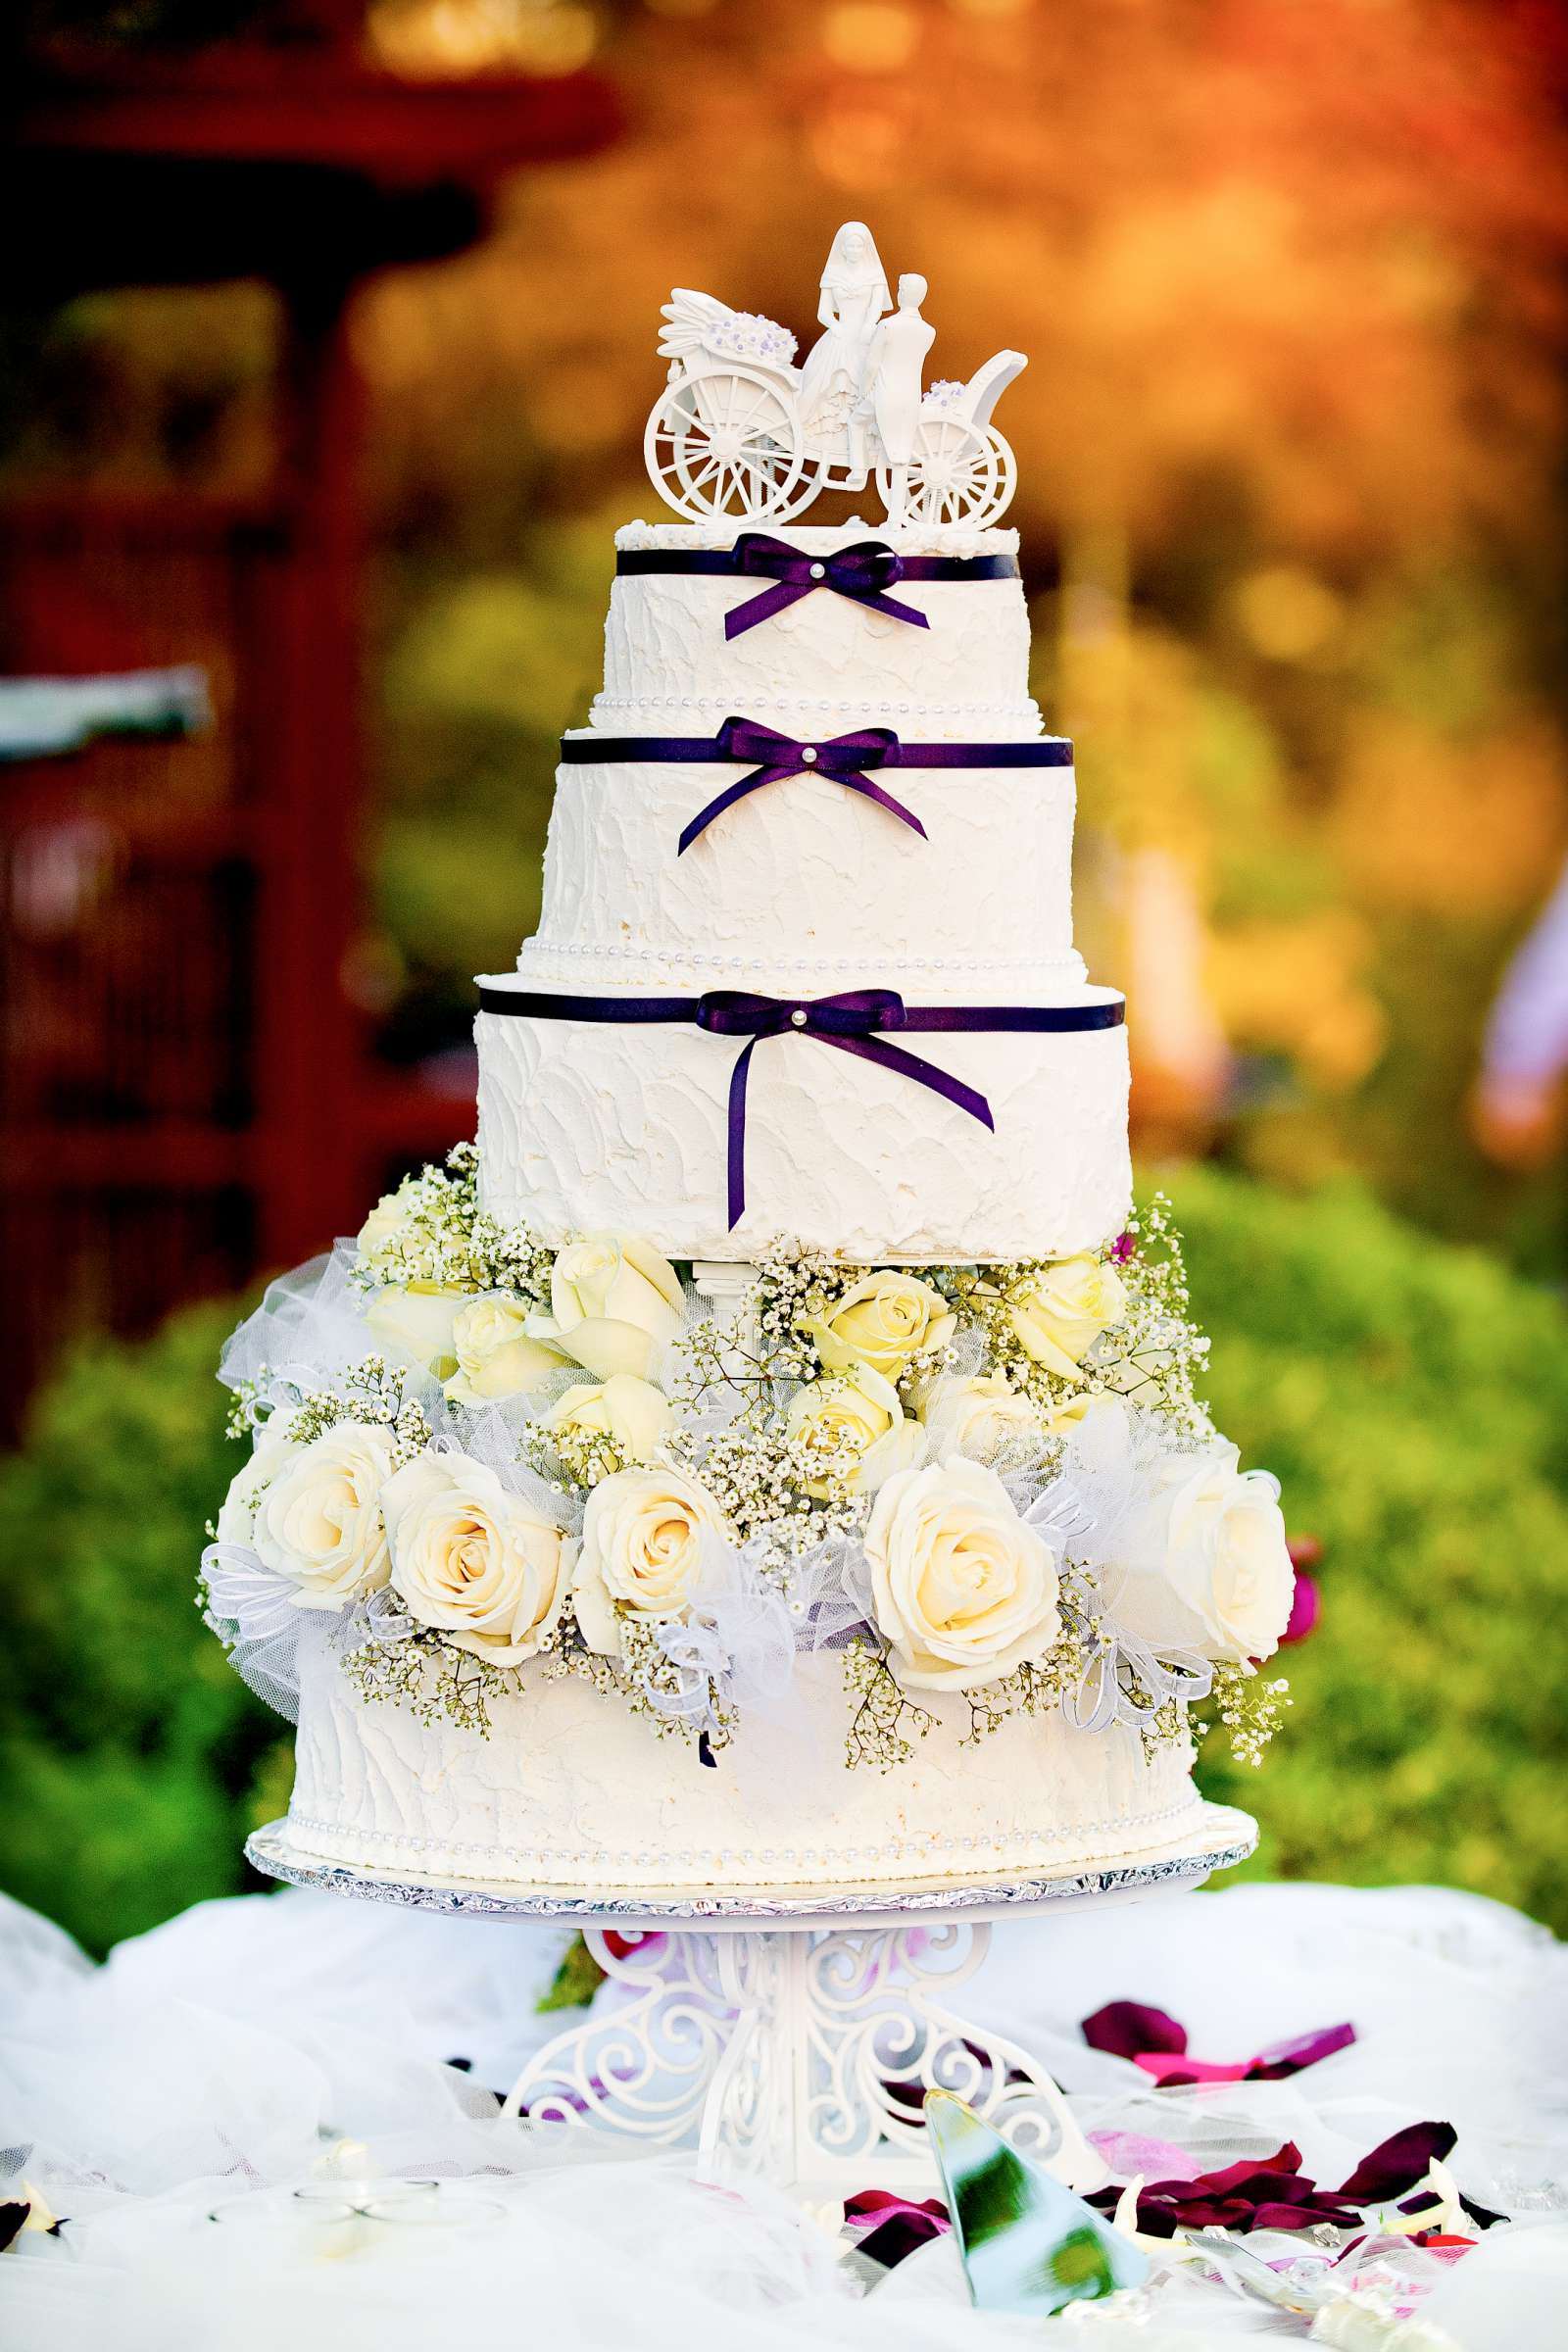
(790, 2033)
(803, 2056)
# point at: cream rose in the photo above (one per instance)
(844, 1412)
(614, 1306)
(1060, 1315)
(415, 1325)
(962, 1589)
(388, 1221)
(273, 1448)
(641, 1543)
(319, 1521)
(474, 1559)
(978, 1417)
(631, 1414)
(1068, 1413)
(1205, 1563)
(495, 1355)
(882, 1321)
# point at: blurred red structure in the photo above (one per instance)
(186, 1091)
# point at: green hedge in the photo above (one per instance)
(129, 1751)
(1413, 1399)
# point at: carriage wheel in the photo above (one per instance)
(727, 443)
(953, 473)
(1007, 479)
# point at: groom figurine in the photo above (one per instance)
(897, 369)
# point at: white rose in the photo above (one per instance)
(273, 1449)
(319, 1521)
(415, 1325)
(472, 1558)
(630, 1413)
(495, 1355)
(642, 1542)
(388, 1221)
(1205, 1563)
(613, 1305)
(845, 1414)
(963, 1590)
(979, 1417)
(1064, 1311)
(882, 1321)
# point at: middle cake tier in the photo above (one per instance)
(857, 841)
(899, 1116)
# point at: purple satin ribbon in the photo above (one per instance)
(843, 757)
(853, 1021)
(863, 574)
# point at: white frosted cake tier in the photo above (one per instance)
(665, 631)
(570, 1791)
(807, 866)
(591, 1127)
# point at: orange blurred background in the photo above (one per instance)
(1290, 494)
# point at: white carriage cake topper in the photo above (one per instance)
(740, 431)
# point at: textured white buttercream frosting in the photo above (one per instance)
(806, 868)
(825, 663)
(589, 1127)
(805, 887)
(571, 1790)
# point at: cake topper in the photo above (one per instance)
(740, 431)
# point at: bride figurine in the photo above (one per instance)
(855, 297)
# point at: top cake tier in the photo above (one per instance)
(816, 647)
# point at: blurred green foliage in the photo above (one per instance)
(1413, 1399)
(129, 1750)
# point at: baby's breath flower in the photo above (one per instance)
(1249, 1707)
(444, 1237)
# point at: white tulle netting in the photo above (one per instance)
(268, 2043)
(757, 1608)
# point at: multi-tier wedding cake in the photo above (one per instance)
(770, 1457)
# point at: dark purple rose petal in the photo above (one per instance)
(1124, 2028)
(892, 2228)
(1393, 2167)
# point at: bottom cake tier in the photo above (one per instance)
(569, 1792)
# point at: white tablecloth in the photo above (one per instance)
(241, 2045)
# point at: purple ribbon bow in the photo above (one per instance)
(843, 757)
(853, 1021)
(863, 573)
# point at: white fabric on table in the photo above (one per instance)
(243, 2043)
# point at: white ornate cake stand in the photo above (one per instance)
(793, 2033)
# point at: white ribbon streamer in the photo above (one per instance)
(736, 1643)
(256, 1614)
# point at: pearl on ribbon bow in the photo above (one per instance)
(863, 573)
(843, 757)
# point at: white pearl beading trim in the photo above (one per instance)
(825, 538)
(604, 703)
(540, 950)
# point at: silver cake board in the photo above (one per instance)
(791, 2032)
